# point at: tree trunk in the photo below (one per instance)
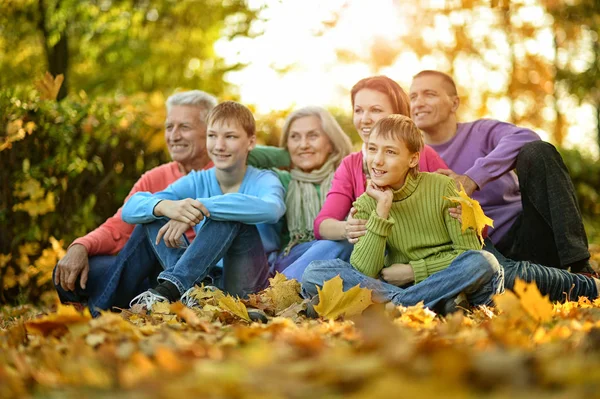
(57, 56)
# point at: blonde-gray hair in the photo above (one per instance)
(340, 142)
(197, 98)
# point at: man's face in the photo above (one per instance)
(430, 103)
(185, 134)
(228, 145)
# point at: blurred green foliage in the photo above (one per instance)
(68, 166)
(124, 46)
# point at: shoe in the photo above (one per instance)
(452, 305)
(311, 313)
(189, 300)
(147, 299)
(258, 316)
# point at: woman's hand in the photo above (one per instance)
(355, 228)
(456, 213)
(398, 274)
(173, 232)
(188, 211)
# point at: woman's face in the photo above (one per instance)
(369, 107)
(308, 145)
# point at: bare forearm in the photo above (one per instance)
(331, 229)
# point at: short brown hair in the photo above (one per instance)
(383, 84)
(444, 76)
(232, 111)
(401, 128)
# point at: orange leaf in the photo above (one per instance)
(65, 316)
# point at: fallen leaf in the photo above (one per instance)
(536, 305)
(472, 214)
(190, 317)
(333, 302)
(283, 292)
(161, 308)
(65, 316)
(234, 307)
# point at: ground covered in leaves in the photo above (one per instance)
(524, 347)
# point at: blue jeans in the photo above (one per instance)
(477, 274)
(558, 284)
(142, 264)
(300, 256)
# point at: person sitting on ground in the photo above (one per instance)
(234, 208)
(316, 144)
(79, 272)
(537, 221)
(409, 225)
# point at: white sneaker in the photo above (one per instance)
(147, 299)
(190, 301)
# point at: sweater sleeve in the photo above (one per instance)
(266, 207)
(430, 160)
(140, 207)
(267, 157)
(112, 235)
(505, 141)
(368, 255)
(339, 198)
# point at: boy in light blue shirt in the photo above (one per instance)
(234, 208)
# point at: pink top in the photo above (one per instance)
(110, 237)
(350, 182)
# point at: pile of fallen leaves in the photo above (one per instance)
(524, 347)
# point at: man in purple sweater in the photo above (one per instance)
(536, 216)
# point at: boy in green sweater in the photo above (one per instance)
(413, 250)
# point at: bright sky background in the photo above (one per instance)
(294, 63)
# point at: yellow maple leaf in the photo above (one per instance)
(234, 307)
(536, 305)
(283, 292)
(333, 302)
(49, 86)
(472, 214)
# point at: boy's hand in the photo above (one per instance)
(398, 274)
(354, 228)
(383, 196)
(173, 233)
(188, 211)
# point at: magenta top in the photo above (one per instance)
(350, 182)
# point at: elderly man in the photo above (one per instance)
(90, 256)
(536, 216)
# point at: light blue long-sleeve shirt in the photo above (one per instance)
(259, 201)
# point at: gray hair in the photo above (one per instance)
(197, 98)
(340, 142)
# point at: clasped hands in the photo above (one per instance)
(183, 214)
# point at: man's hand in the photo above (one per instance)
(354, 228)
(398, 274)
(384, 197)
(72, 265)
(188, 211)
(173, 233)
(468, 183)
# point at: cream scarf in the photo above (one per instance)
(304, 203)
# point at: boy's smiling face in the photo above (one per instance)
(389, 161)
(228, 145)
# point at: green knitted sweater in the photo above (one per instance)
(419, 230)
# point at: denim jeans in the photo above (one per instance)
(141, 263)
(477, 274)
(558, 284)
(550, 230)
(300, 256)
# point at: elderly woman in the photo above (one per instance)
(316, 145)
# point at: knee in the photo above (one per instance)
(484, 264)
(535, 153)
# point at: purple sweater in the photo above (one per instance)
(486, 150)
